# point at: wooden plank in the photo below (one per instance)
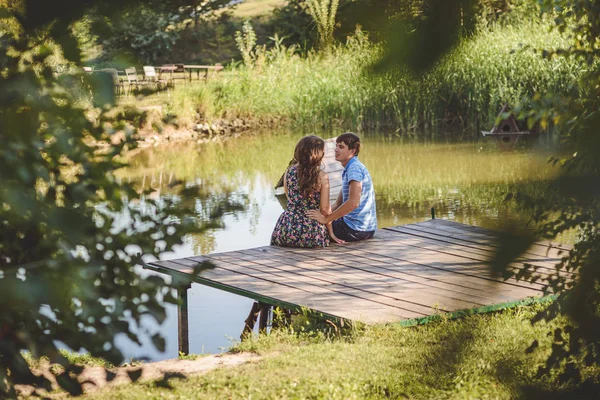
(386, 285)
(313, 281)
(297, 273)
(251, 282)
(334, 182)
(449, 246)
(457, 248)
(465, 288)
(472, 246)
(272, 292)
(316, 295)
(333, 168)
(398, 250)
(488, 287)
(330, 165)
(225, 277)
(353, 274)
(551, 249)
(482, 236)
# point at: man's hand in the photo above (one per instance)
(317, 216)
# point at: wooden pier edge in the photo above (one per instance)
(477, 310)
(232, 289)
(265, 302)
(406, 322)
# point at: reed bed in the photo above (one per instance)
(462, 93)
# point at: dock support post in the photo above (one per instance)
(183, 322)
(432, 213)
(250, 320)
(264, 317)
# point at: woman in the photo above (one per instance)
(307, 188)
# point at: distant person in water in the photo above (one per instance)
(354, 215)
(307, 188)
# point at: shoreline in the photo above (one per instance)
(94, 378)
(156, 132)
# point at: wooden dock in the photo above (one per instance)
(404, 273)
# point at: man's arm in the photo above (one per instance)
(346, 208)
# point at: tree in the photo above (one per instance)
(194, 8)
(71, 237)
(146, 32)
(574, 116)
(138, 34)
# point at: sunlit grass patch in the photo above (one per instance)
(482, 356)
(83, 359)
(253, 8)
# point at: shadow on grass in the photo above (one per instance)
(165, 383)
(588, 390)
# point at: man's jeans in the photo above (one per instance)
(344, 232)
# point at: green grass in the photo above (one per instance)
(191, 357)
(84, 359)
(475, 357)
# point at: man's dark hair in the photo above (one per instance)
(351, 140)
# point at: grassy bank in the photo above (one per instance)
(475, 357)
(461, 94)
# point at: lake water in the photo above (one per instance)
(466, 183)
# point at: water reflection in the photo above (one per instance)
(465, 182)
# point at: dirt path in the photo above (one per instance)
(95, 377)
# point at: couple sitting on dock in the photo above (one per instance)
(310, 220)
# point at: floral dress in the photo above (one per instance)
(294, 228)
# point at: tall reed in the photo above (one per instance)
(323, 13)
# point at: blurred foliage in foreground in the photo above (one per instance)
(573, 114)
(71, 238)
(577, 280)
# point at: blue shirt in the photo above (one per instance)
(364, 217)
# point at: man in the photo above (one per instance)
(353, 214)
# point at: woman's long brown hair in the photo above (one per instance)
(308, 155)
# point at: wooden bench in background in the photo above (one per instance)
(198, 68)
